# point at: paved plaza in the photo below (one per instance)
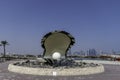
(112, 72)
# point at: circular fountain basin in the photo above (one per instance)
(56, 71)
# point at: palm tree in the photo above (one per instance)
(4, 43)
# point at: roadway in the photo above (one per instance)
(112, 72)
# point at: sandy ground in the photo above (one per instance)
(112, 72)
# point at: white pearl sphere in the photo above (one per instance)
(56, 55)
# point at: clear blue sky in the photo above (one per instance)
(93, 23)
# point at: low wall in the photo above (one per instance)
(56, 72)
(101, 62)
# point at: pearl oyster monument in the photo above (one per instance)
(54, 61)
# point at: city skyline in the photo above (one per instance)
(93, 23)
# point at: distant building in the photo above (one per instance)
(80, 53)
(76, 53)
(92, 52)
(113, 52)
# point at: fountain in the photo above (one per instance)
(54, 60)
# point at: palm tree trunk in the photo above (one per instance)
(4, 51)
